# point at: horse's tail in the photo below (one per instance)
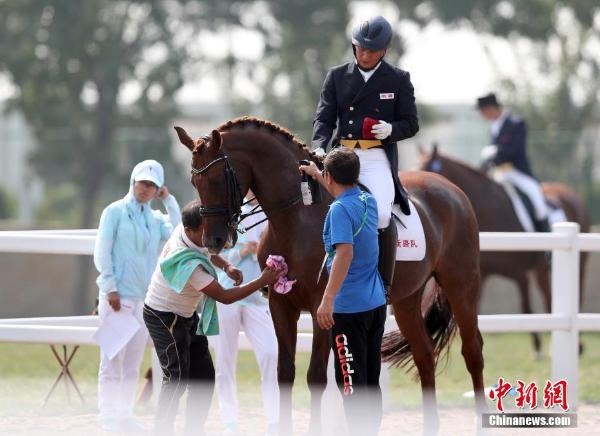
(440, 325)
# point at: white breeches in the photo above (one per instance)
(526, 184)
(255, 319)
(375, 174)
(118, 377)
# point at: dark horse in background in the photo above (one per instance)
(252, 153)
(495, 213)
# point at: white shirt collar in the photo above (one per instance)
(496, 125)
(367, 74)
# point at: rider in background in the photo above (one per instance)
(372, 104)
(507, 157)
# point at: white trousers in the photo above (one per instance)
(256, 321)
(526, 184)
(118, 377)
(375, 174)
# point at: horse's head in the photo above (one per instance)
(431, 161)
(214, 179)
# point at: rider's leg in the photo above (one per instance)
(375, 174)
(533, 190)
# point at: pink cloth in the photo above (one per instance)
(283, 285)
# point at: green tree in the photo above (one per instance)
(311, 37)
(71, 62)
(8, 204)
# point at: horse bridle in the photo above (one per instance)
(233, 210)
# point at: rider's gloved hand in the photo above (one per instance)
(488, 152)
(382, 130)
(319, 152)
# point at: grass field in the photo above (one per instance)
(27, 371)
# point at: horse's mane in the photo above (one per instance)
(269, 125)
(472, 170)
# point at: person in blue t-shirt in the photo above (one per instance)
(353, 307)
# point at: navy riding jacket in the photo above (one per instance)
(346, 99)
(511, 141)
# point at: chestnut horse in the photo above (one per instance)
(495, 213)
(252, 153)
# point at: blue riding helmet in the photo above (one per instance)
(373, 34)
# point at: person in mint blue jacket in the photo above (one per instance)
(125, 254)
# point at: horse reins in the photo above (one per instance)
(234, 196)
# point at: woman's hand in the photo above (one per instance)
(114, 299)
(162, 193)
(249, 248)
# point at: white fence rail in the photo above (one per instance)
(565, 322)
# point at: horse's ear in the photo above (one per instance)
(215, 140)
(434, 151)
(184, 138)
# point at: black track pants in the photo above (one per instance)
(356, 342)
(186, 364)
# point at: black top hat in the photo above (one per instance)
(487, 100)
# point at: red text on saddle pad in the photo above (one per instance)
(406, 243)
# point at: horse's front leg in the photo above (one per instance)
(317, 375)
(285, 319)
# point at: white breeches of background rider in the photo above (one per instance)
(375, 174)
(118, 377)
(256, 321)
(526, 184)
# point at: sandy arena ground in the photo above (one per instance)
(454, 422)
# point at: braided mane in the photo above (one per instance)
(259, 122)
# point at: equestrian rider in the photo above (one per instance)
(507, 157)
(372, 104)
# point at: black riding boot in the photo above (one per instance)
(542, 225)
(388, 240)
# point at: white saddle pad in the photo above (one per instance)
(411, 237)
